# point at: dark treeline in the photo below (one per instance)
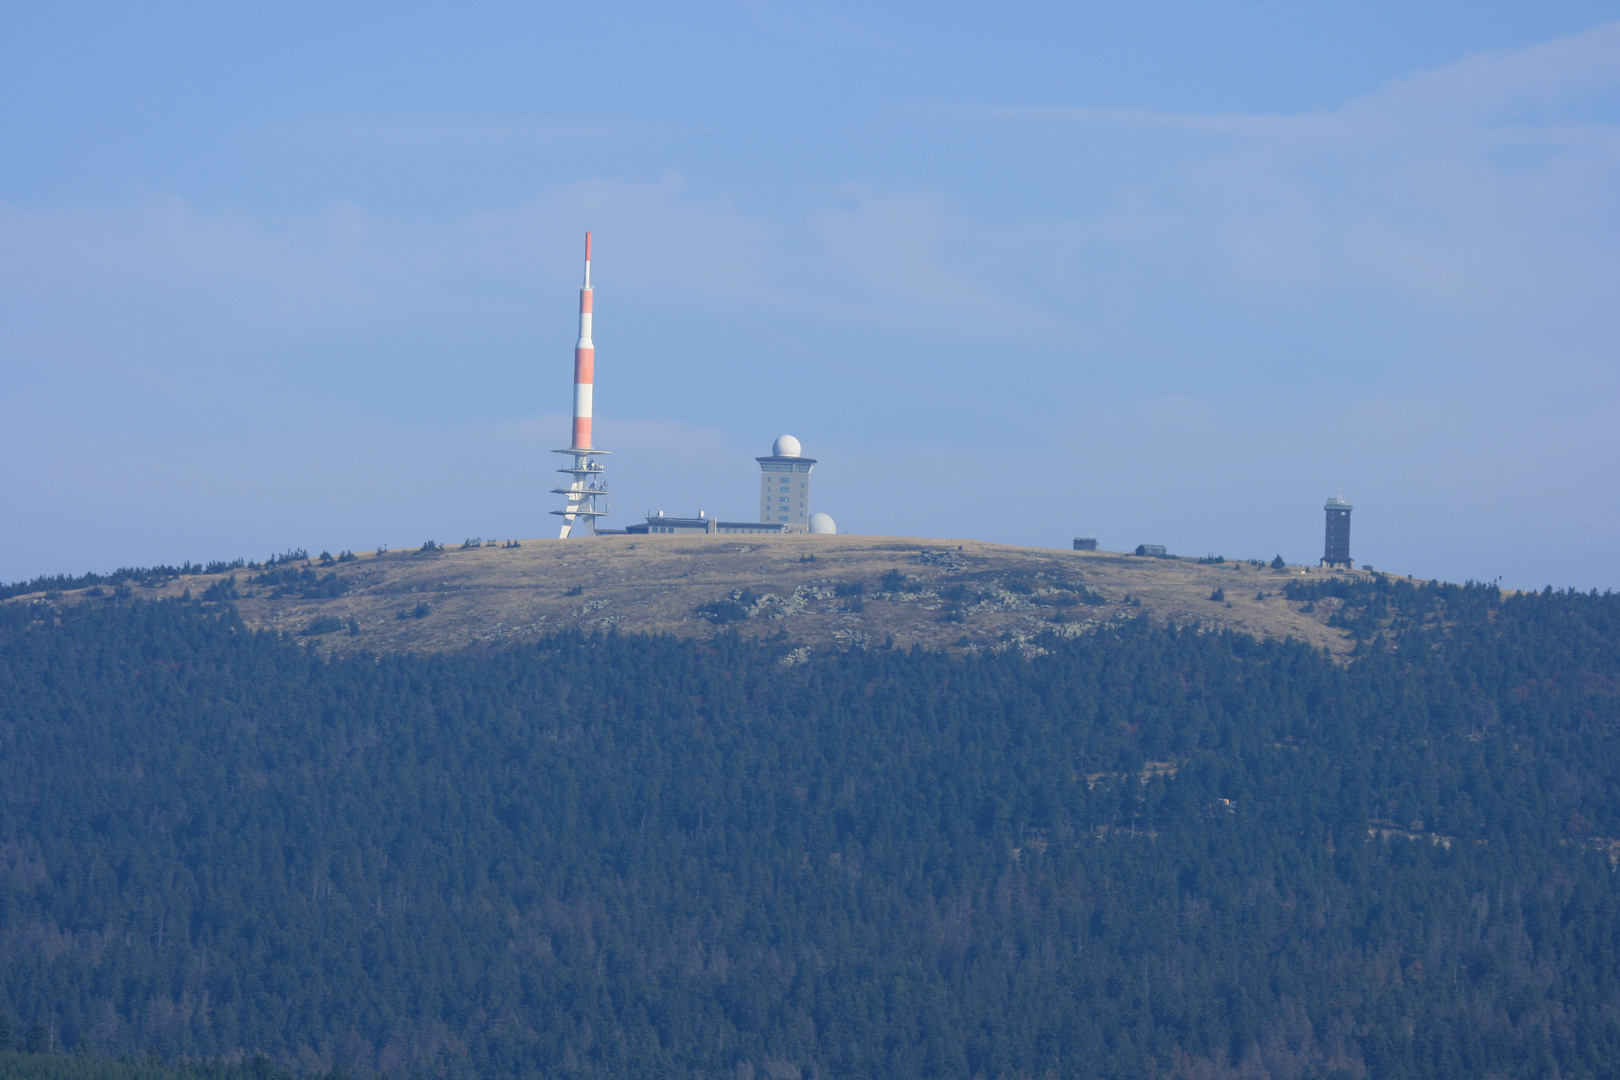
(1145, 853)
(152, 576)
(33, 1056)
(124, 576)
(16, 1065)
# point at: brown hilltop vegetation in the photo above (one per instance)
(818, 592)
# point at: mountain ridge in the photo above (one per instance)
(821, 592)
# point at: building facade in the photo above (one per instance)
(1336, 547)
(658, 524)
(784, 486)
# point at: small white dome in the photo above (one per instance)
(786, 446)
(822, 524)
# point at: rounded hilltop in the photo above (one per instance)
(822, 591)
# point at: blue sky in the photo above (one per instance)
(304, 275)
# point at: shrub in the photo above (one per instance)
(221, 591)
(1218, 594)
(736, 608)
(1278, 564)
(1086, 593)
(723, 612)
(303, 582)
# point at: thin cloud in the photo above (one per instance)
(1484, 88)
(362, 135)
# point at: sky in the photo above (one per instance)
(286, 275)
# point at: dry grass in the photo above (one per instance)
(489, 596)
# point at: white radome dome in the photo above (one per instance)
(823, 524)
(787, 446)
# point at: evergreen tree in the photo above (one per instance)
(1135, 852)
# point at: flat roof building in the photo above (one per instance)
(658, 524)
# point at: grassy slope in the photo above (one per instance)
(1007, 595)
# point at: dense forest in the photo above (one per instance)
(1142, 853)
(28, 1064)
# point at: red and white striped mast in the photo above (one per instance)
(580, 514)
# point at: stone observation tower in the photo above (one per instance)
(784, 485)
(1336, 550)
